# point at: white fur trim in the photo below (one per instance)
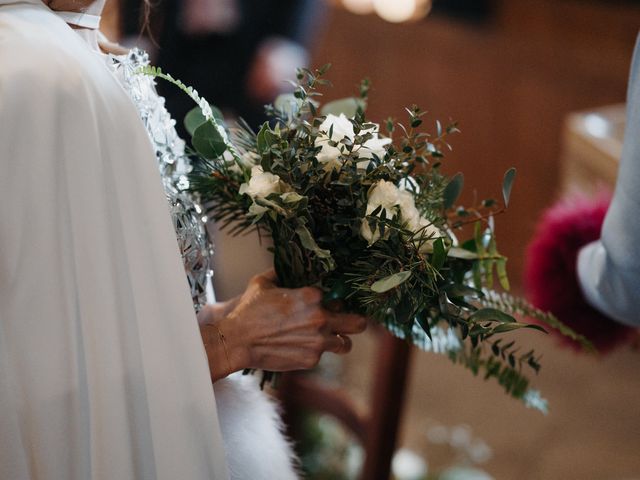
(256, 448)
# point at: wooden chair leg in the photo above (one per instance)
(389, 388)
(377, 429)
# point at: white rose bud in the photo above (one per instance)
(261, 184)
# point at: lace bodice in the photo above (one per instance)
(174, 165)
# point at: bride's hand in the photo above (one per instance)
(274, 329)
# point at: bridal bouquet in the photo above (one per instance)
(373, 220)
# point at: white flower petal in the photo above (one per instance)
(261, 184)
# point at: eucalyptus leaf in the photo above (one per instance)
(307, 241)
(439, 254)
(193, 120)
(291, 197)
(501, 268)
(491, 314)
(507, 185)
(509, 327)
(457, 252)
(262, 139)
(452, 190)
(487, 267)
(392, 281)
(208, 141)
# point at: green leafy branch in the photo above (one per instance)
(519, 306)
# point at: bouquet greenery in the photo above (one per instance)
(370, 219)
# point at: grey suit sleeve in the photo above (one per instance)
(609, 269)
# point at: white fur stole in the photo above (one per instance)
(252, 430)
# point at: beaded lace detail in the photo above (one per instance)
(174, 165)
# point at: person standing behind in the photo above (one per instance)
(583, 263)
(238, 54)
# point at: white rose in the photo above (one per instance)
(430, 231)
(408, 211)
(410, 184)
(261, 184)
(374, 145)
(395, 200)
(383, 194)
(342, 127)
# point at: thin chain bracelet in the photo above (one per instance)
(223, 340)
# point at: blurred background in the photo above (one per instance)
(535, 84)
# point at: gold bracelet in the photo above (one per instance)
(223, 340)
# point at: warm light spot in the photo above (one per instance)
(395, 11)
(361, 7)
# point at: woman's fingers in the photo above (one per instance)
(338, 343)
(346, 323)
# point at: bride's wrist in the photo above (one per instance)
(226, 351)
(236, 342)
(228, 346)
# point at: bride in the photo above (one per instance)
(105, 372)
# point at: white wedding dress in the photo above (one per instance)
(103, 375)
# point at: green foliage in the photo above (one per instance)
(390, 282)
(452, 190)
(208, 141)
(507, 185)
(308, 180)
(195, 118)
(519, 306)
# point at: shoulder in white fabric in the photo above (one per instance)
(100, 345)
(609, 269)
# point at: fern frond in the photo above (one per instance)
(519, 306)
(445, 341)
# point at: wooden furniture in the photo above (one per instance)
(592, 146)
(376, 427)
